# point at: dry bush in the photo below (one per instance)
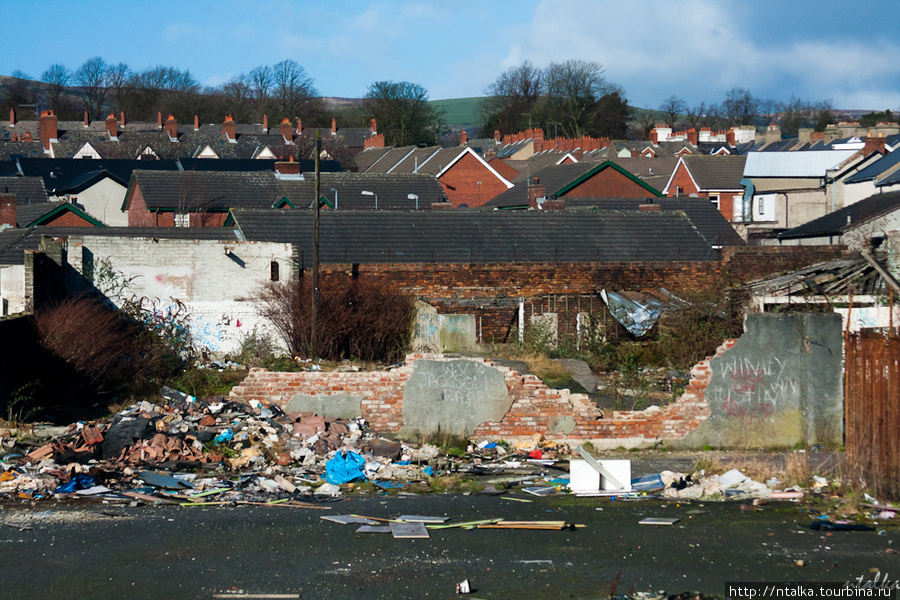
(114, 350)
(355, 319)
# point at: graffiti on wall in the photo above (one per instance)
(755, 389)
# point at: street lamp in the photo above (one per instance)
(335, 198)
(368, 193)
(414, 197)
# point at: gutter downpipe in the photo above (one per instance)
(747, 207)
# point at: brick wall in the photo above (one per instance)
(609, 183)
(461, 183)
(752, 262)
(682, 179)
(536, 408)
(68, 219)
(138, 215)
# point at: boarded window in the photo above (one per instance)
(273, 270)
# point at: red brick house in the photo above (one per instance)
(468, 180)
(715, 177)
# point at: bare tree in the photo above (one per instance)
(57, 77)
(403, 113)
(238, 95)
(91, 77)
(573, 90)
(20, 92)
(511, 100)
(295, 91)
(118, 80)
(261, 82)
(695, 115)
(672, 108)
(740, 107)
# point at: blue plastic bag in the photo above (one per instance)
(344, 468)
(79, 482)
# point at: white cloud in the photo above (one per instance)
(698, 49)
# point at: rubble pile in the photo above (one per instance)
(216, 447)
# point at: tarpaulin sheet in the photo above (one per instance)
(637, 317)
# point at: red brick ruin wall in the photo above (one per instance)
(536, 408)
(490, 292)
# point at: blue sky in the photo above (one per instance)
(847, 52)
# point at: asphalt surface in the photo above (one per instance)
(97, 551)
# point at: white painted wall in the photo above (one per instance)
(12, 289)
(103, 201)
(216, 285)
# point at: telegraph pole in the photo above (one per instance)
(315, 271)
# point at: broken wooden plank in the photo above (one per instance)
(550, 525)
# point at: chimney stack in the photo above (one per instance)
(87, 123)
(8, 209)
(286, 130)
(333, 126)
(159, 120)
(172, 128)
(265, 123)
(47, 129)
(12, 117)
(873, 144)
(196, 123)
(299, 127)
(692, 136)
(112, 127)
(229, 129)
(536, 194)
(463, 138)
(497, 135)
(122, 123)
(287, 167)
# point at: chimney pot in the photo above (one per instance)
(86, 122)
(333, 126)
(196, 122)
(12, 117)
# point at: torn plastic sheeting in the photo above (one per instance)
(637, 317)
(79, 482)
(345, 467)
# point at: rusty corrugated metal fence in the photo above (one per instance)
(872, 411)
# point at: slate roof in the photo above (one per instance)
(837, 222)
(892, 179)
(173, 190)
(14, 242)
(872, 171)
(481, 237)
(369, 157)
(30, 215)
(554, 179)
(704, 215)
(28, 190)
(716, 172)
(65, 175)
(307, 165)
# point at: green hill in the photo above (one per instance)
(460, 113)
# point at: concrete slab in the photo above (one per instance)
(454, 396)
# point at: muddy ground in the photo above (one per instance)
(89, 550)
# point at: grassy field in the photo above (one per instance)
(460, 112)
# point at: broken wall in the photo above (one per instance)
(432, 392)
(780, 385)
